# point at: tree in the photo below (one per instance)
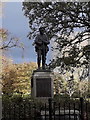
(8, 75)
(24, 73)
(68, 23)
(7, 41)
(16, 77)
(65, 84)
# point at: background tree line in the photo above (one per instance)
(16, 80)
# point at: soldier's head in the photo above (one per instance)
(41, 30)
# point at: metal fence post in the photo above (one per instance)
(82, 108)
(50, 108)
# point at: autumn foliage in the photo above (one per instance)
(16, 77)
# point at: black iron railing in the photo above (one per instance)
(50, 110)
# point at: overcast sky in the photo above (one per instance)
(17, 25)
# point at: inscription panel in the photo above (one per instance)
(43, 87)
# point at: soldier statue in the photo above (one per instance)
(41, 47)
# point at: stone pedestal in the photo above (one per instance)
(42, 84)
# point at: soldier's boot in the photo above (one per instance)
(43, 66)
(43, 63)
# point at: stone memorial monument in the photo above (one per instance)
(42, 78)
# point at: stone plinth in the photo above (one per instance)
(42, 84)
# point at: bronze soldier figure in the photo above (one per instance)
(41, 47)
